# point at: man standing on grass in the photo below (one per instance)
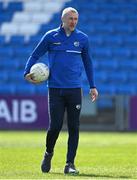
(68, 49)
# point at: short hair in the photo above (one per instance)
(69, 9)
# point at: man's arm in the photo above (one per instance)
(38, 52)
(88, 65)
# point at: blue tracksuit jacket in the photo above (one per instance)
(65, 56)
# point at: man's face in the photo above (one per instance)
(70, 20)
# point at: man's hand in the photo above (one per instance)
(93, 94)
(30, 77)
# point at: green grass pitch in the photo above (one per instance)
(100, 155)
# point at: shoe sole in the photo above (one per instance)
(72, 173)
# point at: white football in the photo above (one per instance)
(40, 72)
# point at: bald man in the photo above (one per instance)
(68, 51)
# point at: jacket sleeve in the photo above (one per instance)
(38, 52)
(88, 65)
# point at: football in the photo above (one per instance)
(40, 72)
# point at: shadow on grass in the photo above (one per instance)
(103, 176)
(94, 176)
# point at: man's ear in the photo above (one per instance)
(62, 19)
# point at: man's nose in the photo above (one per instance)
(74, 21)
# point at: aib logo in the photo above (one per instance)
(24, 111)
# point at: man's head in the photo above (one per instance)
(69, 18)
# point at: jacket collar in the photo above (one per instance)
(63, 30)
